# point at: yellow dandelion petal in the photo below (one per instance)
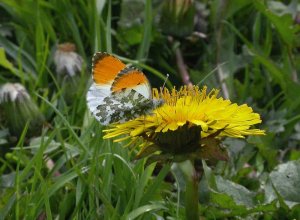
(171, 126)
(111, 134)
(203, 125)
(122, 139)
(160, 127)
(181, 123)
(187, 116)
(137, 131)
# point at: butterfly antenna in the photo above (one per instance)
(167, 77)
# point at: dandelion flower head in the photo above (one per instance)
(189, 119)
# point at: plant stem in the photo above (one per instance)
(191, 199)
(181, 64)
(191, 193)
(219, 35)
(182, 68)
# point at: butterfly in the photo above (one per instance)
(119, 93)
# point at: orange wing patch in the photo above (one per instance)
(129, 78)
(105, 68)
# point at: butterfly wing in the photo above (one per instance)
(131, 97)
(131, 79)
(119, 93)
(105, 68)
(123, 106)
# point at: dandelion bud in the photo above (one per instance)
(19, 109)
(177, 18)
(66, 60)
(68, 65)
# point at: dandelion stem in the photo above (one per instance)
(191, 193)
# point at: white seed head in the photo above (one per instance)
(67, 60)
(13, 92)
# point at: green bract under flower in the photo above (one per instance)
(188, 120)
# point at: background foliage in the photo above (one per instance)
(248, 48)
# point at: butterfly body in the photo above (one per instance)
(119, 93)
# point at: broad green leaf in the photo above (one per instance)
(286, 180)
(227, 202)
(232, 199)
(240, 195)
(219, 186)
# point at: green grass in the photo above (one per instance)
(257, 49)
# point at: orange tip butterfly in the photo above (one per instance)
(118, 93)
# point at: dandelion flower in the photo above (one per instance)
(190, 124)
